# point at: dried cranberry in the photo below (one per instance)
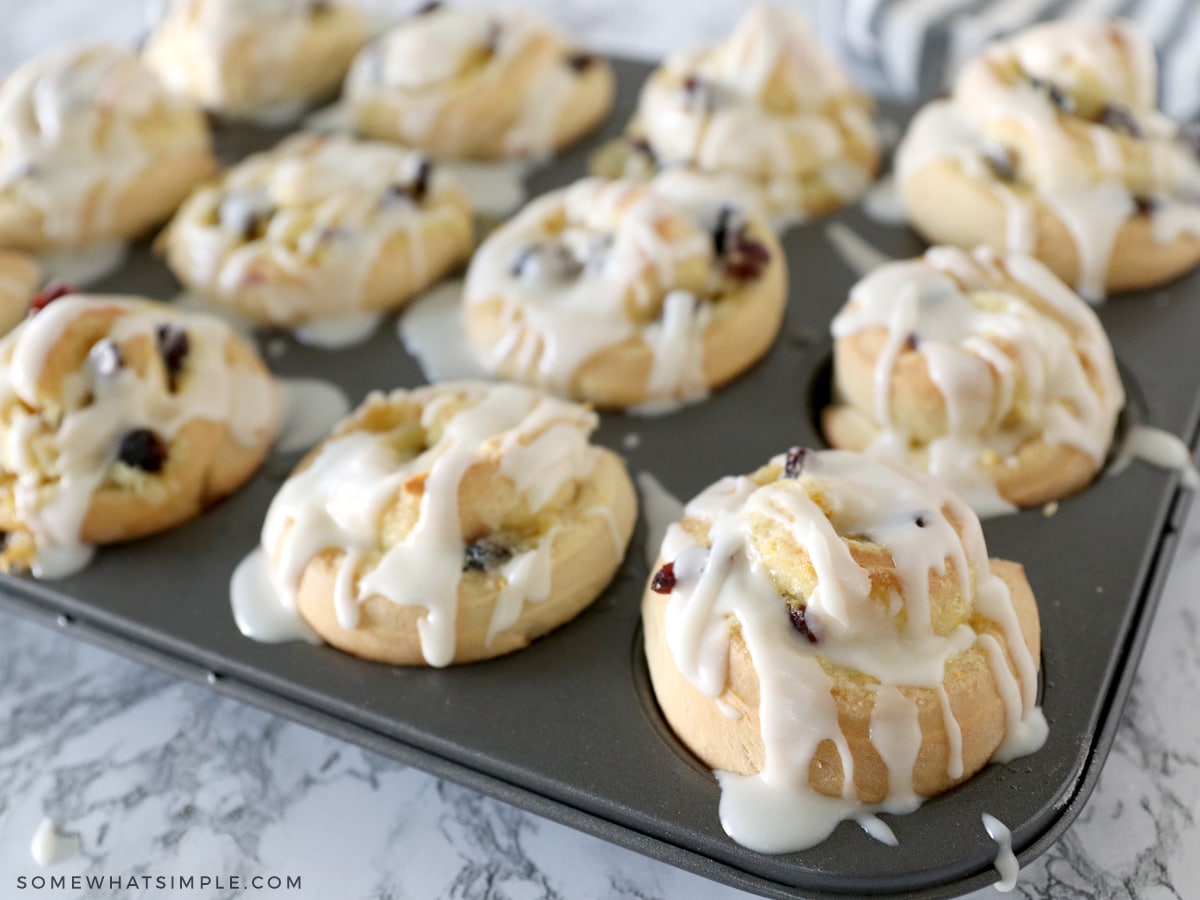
(729, 229)
(799, 618)
(912, 342)
(663, 581)
(51, 292)
(747, 260)
(1145, 205)
(582, 61)
(173, 346)
(698, 94)
(106, 358)
(484, 554)
(793, 465)
(419, 185)
(920, 521)
(143, 449)
(641, 147)
(1000, 160)
(1120, 119)
(428, 7)
(1060, 99)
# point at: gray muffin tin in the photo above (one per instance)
(569, 728)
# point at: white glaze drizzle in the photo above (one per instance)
(733, 125)
(660, 508)
(1006, 860)
(52, 493)
(431, 329)
(859, 255)
(49, 846)
(1082, 182)
(883, 203)
(723, 579)
(617, 264)
(339, 332)
(335, 504)
(69, 128)
(1158, 448)
(311, 408)
(1052, 345)
(334, 203)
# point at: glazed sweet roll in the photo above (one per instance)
(1051, 144)
(250, 58)
(449, 524)
(626, 294)
(120, 417)
(988, 371)
(320, 226)
(93, 148)
(768, 110)
(829, 634)
(475, 84)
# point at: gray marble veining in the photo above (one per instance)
(156, 776)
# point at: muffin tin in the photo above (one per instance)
(569, 727)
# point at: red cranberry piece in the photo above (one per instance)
(663, 581)
(1001, 162)
(1060, 99)
(51, 292)
(1145, 206)
(582, 61)
(747, 260)
(698, 94)
(426, 8)
(793, 465)
(641, 147)
(484, 554)
(143, 449)
(106, 358)
(920, 521)
(912, 342)
(1120, 119)
(799, 617)
(729, 229)
(419, 186)
(173, 345)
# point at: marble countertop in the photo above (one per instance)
(146, 774)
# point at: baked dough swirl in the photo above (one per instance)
(474, 84)
(829, 634)
(1051, 144)
(249, 58)
(768, 110)
(120, 417)
(987, 371)
(449, 524)
(321, 226)
(626, 294)
(93, 148)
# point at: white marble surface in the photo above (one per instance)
(153, 775)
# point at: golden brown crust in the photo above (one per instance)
(736, 744)
(211, 445)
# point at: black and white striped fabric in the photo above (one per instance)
(912, 48)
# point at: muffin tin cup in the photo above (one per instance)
(569, 728)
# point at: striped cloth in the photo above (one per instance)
(911, 48)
